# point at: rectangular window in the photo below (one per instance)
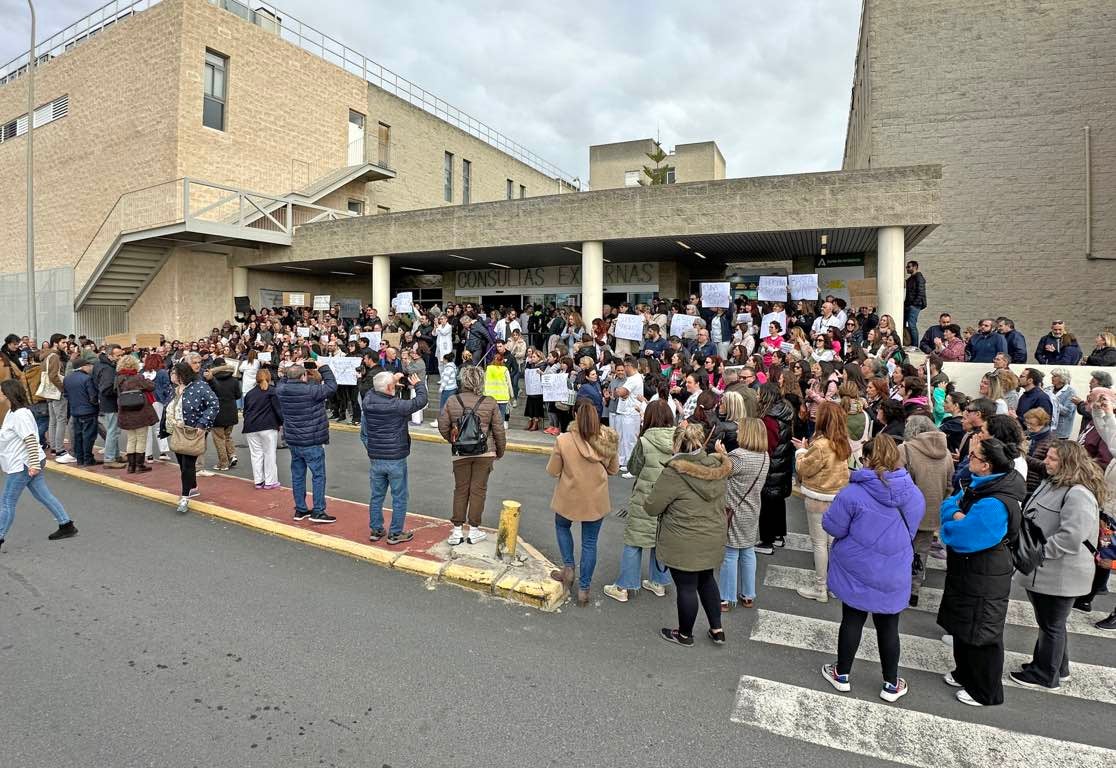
(447, 177)
(356, 206)
(511, 189)
(214, 88)
(670, 175)
(522, 192)
(466, 181)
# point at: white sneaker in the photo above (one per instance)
(658, 590)
(434, 423)
(205, 473)
(183, 505)
(456, 536)
(627, 475)
(476, 536)
(814, 593)
(619, 594)
(65, 458)
(964, 697)
(948, 640)
(950, 680)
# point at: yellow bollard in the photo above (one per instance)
(508, 533)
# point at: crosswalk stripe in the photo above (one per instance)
(801, 542)
(1019, 612)
(898, 733)
(1088, 681)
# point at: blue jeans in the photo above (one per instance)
(589, 532)
(738, 574)
(312, 457)
(112, 437)
(631, 564)
(910, 322)
(41, 412)
(13, 489)
(445, 395)
(384, 473)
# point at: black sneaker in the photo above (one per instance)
(233, 462)
(676, 637)
(301, 515)
(399, 538)
(323, 518)
(377, 534)
(764, 549)
(1085, 606)
(1107, 624)
(1028, 680)
(64, 532)
(779, 542)
(913, 602)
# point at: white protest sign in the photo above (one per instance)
(532, 381)
(321, 303)
(403, 303)
(303, 332)
(554, 387)
(715, 295)
(264, 357)
(629, 327)
(804, 286)
(373, 338)
(778, 317)
(680, 325)
(344, 369)
(772, 288)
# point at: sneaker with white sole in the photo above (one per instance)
(840, 682)
(193, 494)
(895, 692)
(456, 536)
(658, 590)
(65, 458)
(950, 680)
(948, 640)
(814, 593)
(205, 473)
(627, 475)
(764, 549)
(964, 697)
(476, 536)
(617, 593)
(183, 505)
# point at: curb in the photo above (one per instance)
(543, 594)
(423, 437)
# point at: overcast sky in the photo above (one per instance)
(768, 80)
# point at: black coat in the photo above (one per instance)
(778, 482)
(227, 389)
(104, 378)
(261, 410)
(978, 585)
(1102, 357)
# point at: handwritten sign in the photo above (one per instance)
(303, 332)
(350, 308)
(321, 303)
(294, 299)
(344, 369)
(403, 303)
(373, 338)
(532, 381)
(779, 317)
(772, 288)
(629, 327)
(715, 295)
(681, 325)
(554, 387)
(804, 286)
(264, 357)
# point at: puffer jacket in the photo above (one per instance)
(385, 422)
(820, 472)
(227, 389)
(302, 404)
(926, 457)
(689, 500)
(873, 522)
(778, 422)
(1067, 517)
(651, 453)
(742, 495)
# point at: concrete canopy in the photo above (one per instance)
(724, 220)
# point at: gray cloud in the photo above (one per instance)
(769, 81)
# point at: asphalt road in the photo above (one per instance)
(154, 639)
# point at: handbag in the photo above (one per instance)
(46, 389)
(187, 441)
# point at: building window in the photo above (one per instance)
(382, 209)
(47, 113)
(384, 141)
(670, 175)
(214, 88)
(356, 206)
(511, 189)
(633, 178)
(522, 191)
(466, 182)
(447, 177)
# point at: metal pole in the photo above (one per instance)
(32, 320)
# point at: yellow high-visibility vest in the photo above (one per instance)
(496, 383)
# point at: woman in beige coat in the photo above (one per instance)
(925, 453)
(582, 460)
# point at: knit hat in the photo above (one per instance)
(87, 358)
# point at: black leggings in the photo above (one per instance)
(188, 468)
(772, 518)
(887, 638)
(690, 586)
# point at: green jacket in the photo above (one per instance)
(689, 500)
(651, 453)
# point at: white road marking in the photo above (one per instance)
(1019, 612)
(1088, 681)
(898, 733)
(801, 542)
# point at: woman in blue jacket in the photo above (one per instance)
(590, 389)
(194, 405)
(978, 525)
(262, 419)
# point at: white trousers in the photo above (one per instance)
(261, 447)
(156, 446)
(627, 427)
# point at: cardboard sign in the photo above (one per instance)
(123, 339)
(344, 369)
(321, 303)
(373, 339)
(772, 288)
(554, 387)
(862, 293)
(715, 295)
(629, 327)
(392, 339)
(149, 340)
(804, 286)
(532, 381)
(680, 325)
(779, 317)
(294, 299)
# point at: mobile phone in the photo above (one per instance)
(1089, 546)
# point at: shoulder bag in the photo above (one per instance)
(184, 440)
(1028, 551)
(46, 389)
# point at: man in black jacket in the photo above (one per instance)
(228, 390)
(914, 300)
(104, 377)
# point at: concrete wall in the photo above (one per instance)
(999, 94)
(700, 161)
(191, 294)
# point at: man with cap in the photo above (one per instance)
(369, 367)
(81, 394)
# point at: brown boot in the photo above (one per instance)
(131, 463)
(564, 574)
(141, 466)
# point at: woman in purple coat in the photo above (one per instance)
(873, 522)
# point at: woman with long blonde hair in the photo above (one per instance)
(992, 388)
(262, 419)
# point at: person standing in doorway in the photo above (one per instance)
(914, 301)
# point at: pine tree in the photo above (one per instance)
(658, 174)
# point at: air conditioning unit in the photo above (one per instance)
(265, 19)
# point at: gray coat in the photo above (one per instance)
(1068, 516)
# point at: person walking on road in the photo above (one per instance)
(81, 399)
(302, 403)
(135, 414)
(471, 423)
(195, 406)
(263, 417)
(583, 459)
(388, 441)
(689, 500)
(104, 376)
(227, 387)
(873, 522)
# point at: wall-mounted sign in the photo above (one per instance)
(641, 275)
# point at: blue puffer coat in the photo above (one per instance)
(873, 522)
(302, 404)
(385, 422)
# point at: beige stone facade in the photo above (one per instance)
(621, 164)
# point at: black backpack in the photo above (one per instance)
(130, 400)
(467, 437)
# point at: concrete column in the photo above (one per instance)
(240, 281)
(890, 274)
(381, 284)
(592, 280)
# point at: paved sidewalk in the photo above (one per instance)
(519, 440)
(526, 580)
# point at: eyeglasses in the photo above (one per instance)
(973, 455)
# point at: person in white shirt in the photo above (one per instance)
(826, 320)
(505, 325)
(21, 459)
(627, 413)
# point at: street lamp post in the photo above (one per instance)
(32, 321)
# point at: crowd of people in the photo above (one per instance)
(713, 413)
